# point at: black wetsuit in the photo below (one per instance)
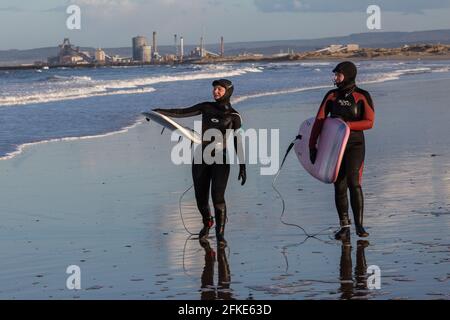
(220, 116)
(355, 107)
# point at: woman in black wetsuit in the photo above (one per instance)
(355, 107)
(221, 116)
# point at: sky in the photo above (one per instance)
(29, 24)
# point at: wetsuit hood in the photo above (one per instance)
(349, 70)
(228, 85)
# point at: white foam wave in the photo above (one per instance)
(443, 69)
(315, 64)
(296, 64)
(274, 93)
(395, 75)
(57, 78)
(414, 71)
(189, 76)
(214, 67)
(98, 88)
(69, 94)
(22, 147)
(383, 77)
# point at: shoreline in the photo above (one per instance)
(244, 59)
(331, 58)
(21, 148)
(237, 100)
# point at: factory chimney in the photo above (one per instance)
(155, 49)
(181, 48)
(176, 45)
(222, 47)
(202, 49)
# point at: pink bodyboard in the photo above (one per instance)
(330, 148)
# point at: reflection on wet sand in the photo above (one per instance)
(353, 288)
(208, 290)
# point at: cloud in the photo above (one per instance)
(108, 8)
(403, 6)
(97, 3)
(17, 9)
(124, 3)
(12, 9)
(55, 9)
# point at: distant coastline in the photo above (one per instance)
(414, 52)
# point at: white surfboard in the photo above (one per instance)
(172, 125)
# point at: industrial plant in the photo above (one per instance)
(71, 55)
(143, 52)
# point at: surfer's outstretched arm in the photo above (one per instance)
(183, 112)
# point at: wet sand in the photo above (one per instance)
(110, 206)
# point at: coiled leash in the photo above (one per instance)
(291, 145)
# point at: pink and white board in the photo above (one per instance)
(330, 148)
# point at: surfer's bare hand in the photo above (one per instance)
(242, 174)
(312, 155)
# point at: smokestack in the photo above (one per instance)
(222, 47)
(181, 48)
(155, 49)
(201, 47)
(176, 45)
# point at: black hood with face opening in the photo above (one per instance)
(349, 70)
(228, 85)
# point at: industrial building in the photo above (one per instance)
(339, 47)
(146, 54)
(200, 52)
(142, 52)
(100, 56)
(69, 54)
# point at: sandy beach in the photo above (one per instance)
(110, 206)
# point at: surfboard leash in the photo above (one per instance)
(291, 145)
(181, 213)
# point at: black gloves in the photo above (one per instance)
(312, 154)
(242, 174)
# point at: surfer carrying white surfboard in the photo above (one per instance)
(217, 115)
(354, 106)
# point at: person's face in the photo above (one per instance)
(218, 92)
(338, 77)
